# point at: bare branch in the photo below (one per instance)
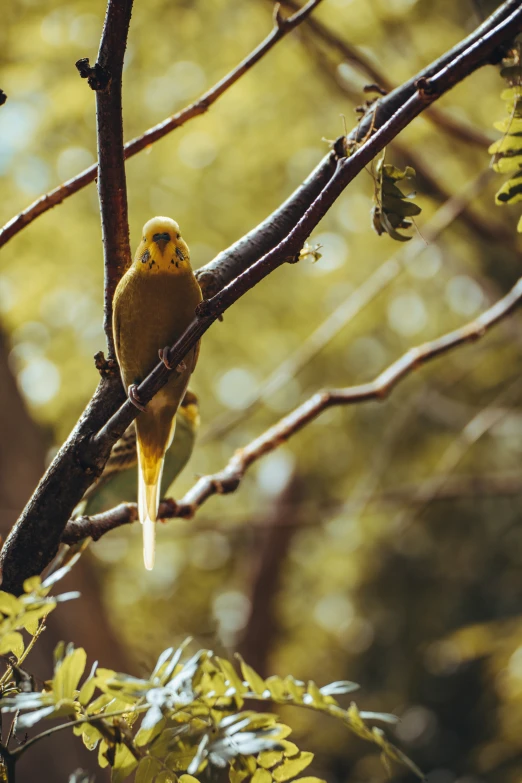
(229, 479)
(378, 281)
(105, 78)
(72, 186)
(454, 126)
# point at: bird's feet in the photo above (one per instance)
(163, 353)
(134, 397)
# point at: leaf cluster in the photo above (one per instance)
(507, 151)
(188, 716)
(392, 208)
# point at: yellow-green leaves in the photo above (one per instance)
(392, 208)
(124, 763)
(187, 716)
(25, 612)
(68, 674)
(507, 151)
(252, 678)
(12, 642)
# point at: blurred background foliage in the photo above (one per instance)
(382, 544)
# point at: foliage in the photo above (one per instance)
(27, 612)
(507, 151)
(392, 208)
(188, 714)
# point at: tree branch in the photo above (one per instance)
(281, 28)
(264, 237)
(459, 129)
(35, 537)
(229, 479)
(105, 78)
(488, 228)
(376, 282)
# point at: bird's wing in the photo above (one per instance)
(123, 456)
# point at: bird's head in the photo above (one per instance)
(162, 247)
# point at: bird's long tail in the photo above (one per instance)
(148, 503)
(150, 471)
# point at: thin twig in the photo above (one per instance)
(281, 28)
(378, 281)
(69, 725)
(229, 479)
(454, 126)
(428, 181)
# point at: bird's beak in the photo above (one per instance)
(161, 240)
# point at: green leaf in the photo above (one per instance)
(277, 688)
(147, 770)
(237, 774)
(12, 642)
(31, 623)
(124, 764)
(310, 779)
(314, 694)
(295, 689)
(231, 675)
(511, 191)
(290, 749)
(290, 768)
(256, 683)
(188, 779)
(145, 736)
(68, 674)
(511, 125)
(261, 776)
(166, 777)
(269, 758)
(392, 206)
(90, 735)
(506, 164)
(32, 585)
(9, 605)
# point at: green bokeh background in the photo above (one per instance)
(419, 604)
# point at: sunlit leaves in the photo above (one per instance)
(392, 208)
(26, 612)
(187, 716)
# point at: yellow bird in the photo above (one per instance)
(154, 302)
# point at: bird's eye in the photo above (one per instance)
(180, 254)
(144, 239)
(178, 236)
